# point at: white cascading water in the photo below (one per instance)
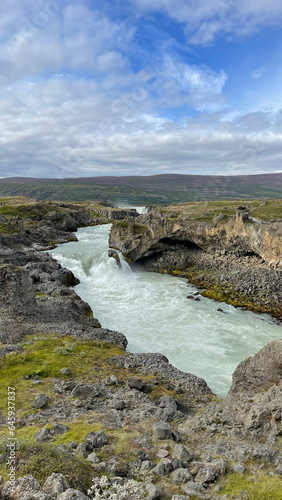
(153, 311)
(123, 264)
(140, 210)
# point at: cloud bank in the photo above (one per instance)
(81, 93)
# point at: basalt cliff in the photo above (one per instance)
(93, 421)
(235, 258)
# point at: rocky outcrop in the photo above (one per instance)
(36, 297)
(117, 214)
(35, 291)
(259, 372)
(239, 236)
(194, 387)
(50, 224)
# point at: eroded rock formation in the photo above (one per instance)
(154, 233)
(238, 261)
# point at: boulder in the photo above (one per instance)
(162, 430)
(93, 458)
(180, 476)
(43, 435)
(163, 453)
(163, 467)
(26, 488)
(55, 485)
(147, 465)
(118, 404)
(59, 429)
(259, 372)
(82, 391)
(65, 371)
(278, 470)
(68, 386)
(136, 383)
(180, 452)
(40, 401)
(97, 440)
(206, 475)
(195, 489)
(81, 450)
(119, 469)
(153, 491)
(167, 408)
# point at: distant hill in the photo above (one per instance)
(139, 190)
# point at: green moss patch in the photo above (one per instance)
(260, 487)
(7, 229)
(123, 224)
(45, 356)
(138, 228)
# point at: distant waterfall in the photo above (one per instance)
(140, 210)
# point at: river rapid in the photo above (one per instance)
(153, 311)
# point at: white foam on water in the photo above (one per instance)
(153, 311)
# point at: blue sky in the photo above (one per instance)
(140, 87)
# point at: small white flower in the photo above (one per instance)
(102, 489)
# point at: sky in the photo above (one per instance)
(140, 87)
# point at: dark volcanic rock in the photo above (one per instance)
(35, 296)
(259, 372)
(196, 389)
(40, 401)
(162, 430)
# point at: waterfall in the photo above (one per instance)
(153, 311)
(139, 210)
(124, 265)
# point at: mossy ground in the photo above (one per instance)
(6, 229)
(259, 486)
(44, 356)
(89, 362)
(207, 280)
(205, 211)
(34, 211)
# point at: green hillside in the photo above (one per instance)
(159, 189)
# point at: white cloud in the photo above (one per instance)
(74, 37)
(205, 20)
(68, 127)
(71, 104)
(199, 82)
(258, 72)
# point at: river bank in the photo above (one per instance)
(87, 408)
